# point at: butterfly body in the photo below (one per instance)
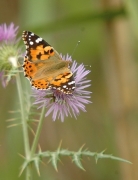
(44, 67)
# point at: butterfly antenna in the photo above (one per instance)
(75, 48)
(88, 66)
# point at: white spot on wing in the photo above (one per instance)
(38, 40)
(72, 82)
(31, 43)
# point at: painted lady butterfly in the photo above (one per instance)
(44, 67)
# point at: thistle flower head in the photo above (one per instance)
(9, 52)
(8, 33)
(61, 105)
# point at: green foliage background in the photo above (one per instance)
(108, 33)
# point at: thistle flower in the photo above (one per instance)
(61, 105)
(9, 52)
(8, 33)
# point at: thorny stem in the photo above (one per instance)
(38, 131)
(24, 126)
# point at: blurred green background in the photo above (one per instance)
(108, 32)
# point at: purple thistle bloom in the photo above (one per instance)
(61, 104)
(9, 52)
(8, 33)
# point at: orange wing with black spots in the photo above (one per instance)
(44, 67)
(29, 68)
(36, 47)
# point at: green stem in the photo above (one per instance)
(24, 125)
(38, 131)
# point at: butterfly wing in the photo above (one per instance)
(36, 47)
(44, 67)
(39, 56)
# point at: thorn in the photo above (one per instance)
(12, 119)
(81, 147)
(21, 156)
(103, 151)
(43, 163)
(20, 173)
(32, 131)
(59, 145)
(39, 148)
(13, 125)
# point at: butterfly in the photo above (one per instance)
(44, 67)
